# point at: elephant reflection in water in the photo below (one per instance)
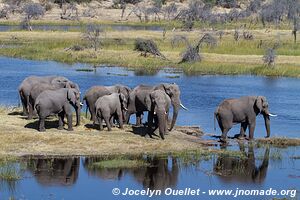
(232, 169)
(56, 171)
(158, 176)
(102, 173)
(155, 176)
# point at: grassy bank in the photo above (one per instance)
(19, 137)
(229, 57)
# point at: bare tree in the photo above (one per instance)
(170, 11)
(69, 12)
(220, 34)
(32, 11)
(192, 53)
(147, 46)
(94, 35)
(236, 35)
(269, 57)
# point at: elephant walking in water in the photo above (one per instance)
(244, 111)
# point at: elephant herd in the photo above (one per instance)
(56, 95)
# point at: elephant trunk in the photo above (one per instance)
(267, 124)
(161, 123)
(175, 114)
(78, 116)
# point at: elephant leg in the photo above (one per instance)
(120, 118)
(243, 130)
(93, 113)
(30, 111)
(150, 121)
(107, 121)
(111, 121)
(224, 135)
(251, 130)
(61, 116)
(139, 118)
(69, 117)
(100, 124)
(42, 124)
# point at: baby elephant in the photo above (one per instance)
(58, 102)
(109, 106)
(244, 111)
(159, 104)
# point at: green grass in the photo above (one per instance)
(8, 169)
(120, 163)
(117, 50)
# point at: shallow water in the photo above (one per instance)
(77, 178)
(201, 94)
(80, 27)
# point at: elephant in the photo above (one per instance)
(39, 88)
(55, 171)
(108, 106)
(243, 110)
(29, 82)
(159, 104)
(242, 170)
(95, 92)
(139, 94)
(58, 102)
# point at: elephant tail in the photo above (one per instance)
(87, 106)
(215, 117)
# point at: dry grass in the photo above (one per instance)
(17, 140)
(279, 142)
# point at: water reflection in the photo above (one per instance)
(158, 174)
(162, 174)
(55, 171)
(235, 169)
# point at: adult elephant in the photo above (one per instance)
(58, 102)
(95, 92)
(138, 100)
(29, 82)
(159, 104)
(244, 111)
(39, 88)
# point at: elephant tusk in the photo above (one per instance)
(272, 115)
(183, 106)
(154, 113)
(81, 104)
(125, 109)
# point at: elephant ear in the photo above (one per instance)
(259, 103)
(148, 101)
(122, 97)
(168, 89)
(71, 96)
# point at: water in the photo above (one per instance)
(80, 27)
(201, 94)
(72, 178)
(77, 178)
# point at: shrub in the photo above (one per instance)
(147, 46)
(269, 57)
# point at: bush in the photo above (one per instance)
(94, 35)
(147, 46)
(270, 56)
